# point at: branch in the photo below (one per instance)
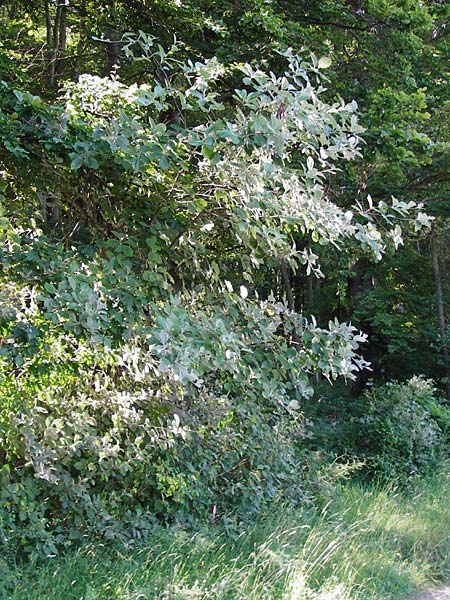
(370, 27)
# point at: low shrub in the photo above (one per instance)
(91, 448)
(398, 429)
(120, 407)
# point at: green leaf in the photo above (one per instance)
(49, 287)
(324, 62)
(164, 163)
(77, 160)
(208, 153)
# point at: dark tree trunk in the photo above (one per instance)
(56, 38)
(12, 10)
(48, 24)
(113, 53)
(286, 277)
(440, 310)
(62, 30)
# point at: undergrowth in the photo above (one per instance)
(364, 544)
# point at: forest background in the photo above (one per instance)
(202, 206)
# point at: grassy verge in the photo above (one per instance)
(364, 545)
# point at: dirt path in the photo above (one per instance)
(440, 594)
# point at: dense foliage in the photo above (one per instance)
(186, 229)
(399, 430)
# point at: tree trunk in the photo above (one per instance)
(62, 30)
(286, 277)
(48, 24)
(440, 310)
(113, 48)
(287, 284)
(12, 10)
(56, 38)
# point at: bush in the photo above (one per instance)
(108, 444)
(398, 429)
(119, 408)
(148, 382)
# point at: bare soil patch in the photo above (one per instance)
(439, 594)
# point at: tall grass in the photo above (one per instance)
(365, 544)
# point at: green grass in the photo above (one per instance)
(365, 544)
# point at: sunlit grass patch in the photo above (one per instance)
(365, 544)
